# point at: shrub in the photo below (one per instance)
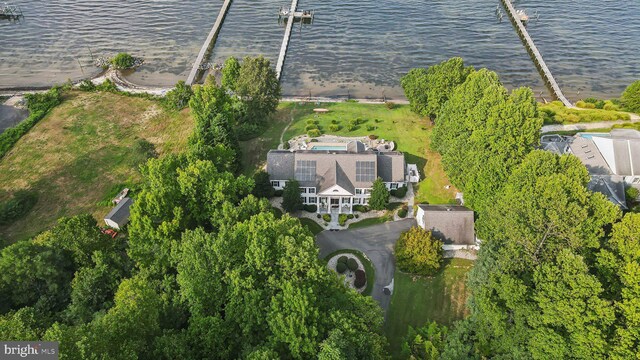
(357, 216)
(390, 105)
(310, 208)
(286, 145)
(107, 86)
(291, 200)
(248, 131)
(352, 264)
(361, 208)
(342, 219)
(343, 259)
(278, 193)
(351, 127)
(334, 121)
(350, 216)
(17, 207)
(361, 279)
(311, 122)
(370, 127)
(632, 194)
(379, 195)
(262, 187)
(38, 104)
(87, 85)
(310, 127)
(359, 121)
(609, 105)
(178, 98)
(123, 61)
(341, 267)
(399, 192)
(373, 137)
(418, 252)
(585, 105)
(403, 211)
(326, 217)
(314, 133)
(318, 216)
(334, 128)
(630, 98)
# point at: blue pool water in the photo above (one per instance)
(591, 135)
(328, 147)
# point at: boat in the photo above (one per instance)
(522, 15)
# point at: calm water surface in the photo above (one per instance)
(356, 47)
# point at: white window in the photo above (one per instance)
(313, 200)
(394, 186)
(303, 190)
(275, 183)
(367, 191)
(312, 190)
(358, 191)
(345, 200)
(304, 199)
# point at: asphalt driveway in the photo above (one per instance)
(377, 243)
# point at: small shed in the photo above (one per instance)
(119, 215)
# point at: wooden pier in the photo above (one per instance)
(208, 44)
(287, 36)
(533, 50)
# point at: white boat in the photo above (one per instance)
(522, 15)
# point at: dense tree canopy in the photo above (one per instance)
(258, 88)
(291, 200)
(428, 89)
(379, 195)
(418, 252)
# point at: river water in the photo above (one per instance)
(354, 47)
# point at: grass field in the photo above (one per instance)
(82, 149)
(369, 270)
(419, 300)
(409, 131)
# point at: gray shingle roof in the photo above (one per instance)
(611, 186)
(336, 166)
(453, 224)
(120, 213)
(590, 156)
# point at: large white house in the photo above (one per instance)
(336, 176)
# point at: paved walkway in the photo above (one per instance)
(377, 243)
(589, 126)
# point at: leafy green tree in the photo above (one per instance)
(92, 288)
(22, 325)
(631, 97)
(259, 89)
(123, 61)
(80, 235)
(262, 188)
(178, 98)
(230, 73)
(418, 252)
(427, 90)
(291, 200)
(34, 275)
(379, 195)
(424, 343)
(533, 293)
(483, 133)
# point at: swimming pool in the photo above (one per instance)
(329, 148)
(592, 135)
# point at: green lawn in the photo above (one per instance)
(254, 151)
(409, 131)
(371, 221)
(75, 156)
(419, 300)
(313, 226)
(368, 267)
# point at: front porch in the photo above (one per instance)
(327, 204)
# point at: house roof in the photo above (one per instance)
(120, 213)
(453, 224)
(590, 155)
(611, 186)
(621, 151)
(323, 169)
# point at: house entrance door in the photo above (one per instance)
(335, 202)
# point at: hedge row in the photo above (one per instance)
(38, 105)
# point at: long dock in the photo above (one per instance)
(208, 44)
(287, 36)
(547, 75)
